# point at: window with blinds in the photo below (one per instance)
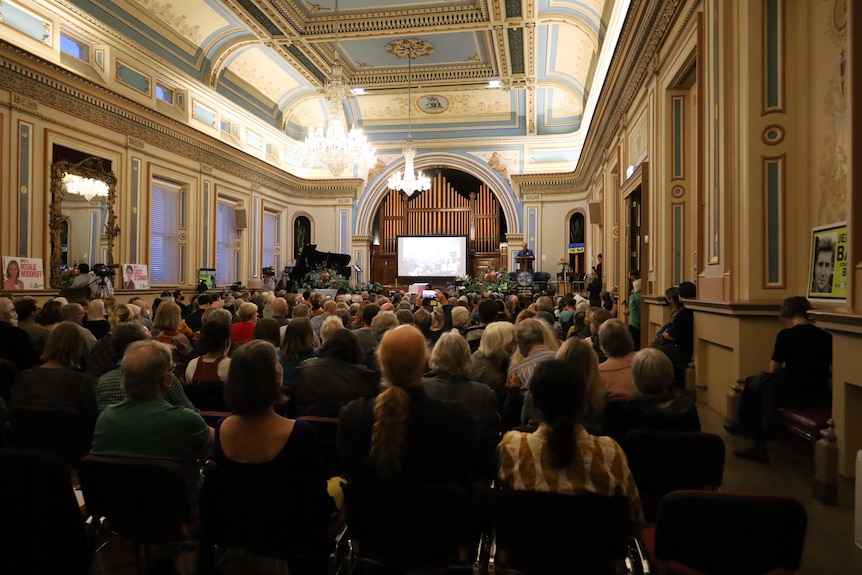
(225, 236)
(270, 240)
(164, 233)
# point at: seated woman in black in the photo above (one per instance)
(403, 434)
(676, 339)
(801, 364)
(656, 406)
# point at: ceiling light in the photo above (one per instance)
(409, 183)
(89, 188)
(332, 146)
(494, 84)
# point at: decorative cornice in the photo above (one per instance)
(647, 25)
(48, 85)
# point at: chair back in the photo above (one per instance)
(327, 442)
(64, 431)
(206, 396)
(143, 499)
(611, 416)
(409, 527)
(42, 529)
(730, 534)
(666, 461)
(554, 533)
(264, 510)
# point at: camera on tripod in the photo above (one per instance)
(268, 272)
(104, 271)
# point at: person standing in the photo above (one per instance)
(633, 311)
(526, 252)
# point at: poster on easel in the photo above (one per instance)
(135, 276)
(23, 273)
(828, 272)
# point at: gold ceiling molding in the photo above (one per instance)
(646, 27)
(410, 48)
(55, 88)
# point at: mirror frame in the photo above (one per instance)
(87, 168)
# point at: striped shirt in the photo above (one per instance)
(599, 467)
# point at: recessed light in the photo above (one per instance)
(494, 84)
(357, 91)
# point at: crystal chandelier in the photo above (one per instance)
(88, 187)
(332, 146)
(409, 183)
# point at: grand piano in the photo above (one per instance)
(310, 259)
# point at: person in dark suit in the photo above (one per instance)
(526, 252)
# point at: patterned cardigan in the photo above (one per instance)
(599, 467)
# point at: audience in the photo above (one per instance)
(211, 367)
(15, 344)
(616, 371)
(144, 424)
(243, 331)
(74, 313)
(656, 405)
(297, 345)
(404, 434)
(166, 329)
(28, 310)
(267, 329)
(95, 321)
(561, 456)
(60, 380)
(491, 360)
(323, 385)
(109, 389)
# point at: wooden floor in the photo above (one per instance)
(829, 546)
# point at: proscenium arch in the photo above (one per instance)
(375, 193)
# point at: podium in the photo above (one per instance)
(524, 262)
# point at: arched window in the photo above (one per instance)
(576, 243)
(301, 234)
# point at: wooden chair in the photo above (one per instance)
(43, 530)
(558, 534)
(266, 512)
(64, 431)
(712, 533)
(143, 500)
(666, 461)
(409, 527)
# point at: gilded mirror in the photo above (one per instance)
(82, 220)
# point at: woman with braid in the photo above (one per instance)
(561, 456)
(403, 435)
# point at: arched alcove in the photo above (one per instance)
(374, 194)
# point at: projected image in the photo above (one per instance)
(432, 256)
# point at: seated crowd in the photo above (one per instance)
(448, 390)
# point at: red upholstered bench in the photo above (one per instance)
(804, 422)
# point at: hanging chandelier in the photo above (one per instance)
(89, 188)
(332, 146)
(410, 182)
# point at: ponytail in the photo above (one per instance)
(390, 430)
(561, 442)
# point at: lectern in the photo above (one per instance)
(524, 262)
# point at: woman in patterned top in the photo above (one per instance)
(561, 456)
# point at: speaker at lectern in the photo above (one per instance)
(524, 262)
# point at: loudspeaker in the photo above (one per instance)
(595, 212)
(241, 218)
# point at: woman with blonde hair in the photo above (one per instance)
(243, 331)
(166, 329)
(404, 433)
(95, 320)
(491, 360)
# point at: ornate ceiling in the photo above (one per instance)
(268, 60)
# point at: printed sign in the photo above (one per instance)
(829, 271)
(135, 276)
(23, 273)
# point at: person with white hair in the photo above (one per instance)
(15, 344)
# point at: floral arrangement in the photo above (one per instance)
(322, 277)
(495, 280)
(564, 265)
(68, 275)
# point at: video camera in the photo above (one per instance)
(268, 272)
(104, 271)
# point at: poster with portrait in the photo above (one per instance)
(135, 276)
(828, 274)
(23, 273)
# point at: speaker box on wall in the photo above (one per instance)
(241, 218)
(595, 212)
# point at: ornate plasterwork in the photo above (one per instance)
(164, 11)
(410, 48)
(56, 88)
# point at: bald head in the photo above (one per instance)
(402, 354)
(329, 307)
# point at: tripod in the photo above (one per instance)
(103, 289)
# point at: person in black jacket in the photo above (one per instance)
(323, 385)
